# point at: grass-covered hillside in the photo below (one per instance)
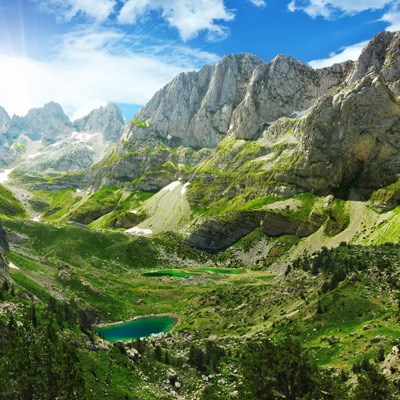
(10, 206)
(242, 270)
(342, 305)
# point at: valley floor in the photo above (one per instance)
(343, 307)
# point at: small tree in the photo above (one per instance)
(283, 370)
(197, 358)
(33, 316)
(158, 353)
(373, 385)
(6, 286)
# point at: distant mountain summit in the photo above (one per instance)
(239, 96)
(46, 139)
(108, 120)
(48, 123)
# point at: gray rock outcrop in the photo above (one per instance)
(352, 136)
(278, 225)
(217, 234)
(4, 121)
(238, 96)
(3, 240)
(48, 123)
(3, 248)
(108, 120)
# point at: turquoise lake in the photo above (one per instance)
(137, 328)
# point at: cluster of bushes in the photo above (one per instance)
(337, 263)
(282, 369)
(206, 360)
(37, 362)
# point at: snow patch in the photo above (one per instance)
(184, 188)
(299, 114)
(139, 231)
(169, 137)
(133, 211)
(172, 186)
(82, 136)
(12, 266)
(36, 219)
(31, 156)
(4, 175)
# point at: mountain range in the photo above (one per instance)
(231, 133)
(248, 201)
(46, 138)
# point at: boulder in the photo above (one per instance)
(3, 240)
(171, 375)
(133, 354)
(102, 345)
(120, 344)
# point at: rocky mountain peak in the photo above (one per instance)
(108, 120)
(50, 110)
(351, 137)
(237, 96)
(4, 120)
(243, 60)
(49, 123)
(282, 60)
(380, 51)
(45, 138)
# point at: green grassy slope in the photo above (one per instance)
(343, 308)
(9, 205)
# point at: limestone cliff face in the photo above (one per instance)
(108, 120)
(352, 136)
(238, 96)
(3, 248)
(45, 140)
(4, 120)
(48, 123)
(3, 240)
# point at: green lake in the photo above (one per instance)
(137, 328)
(178, 273)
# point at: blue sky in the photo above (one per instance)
(85, 53)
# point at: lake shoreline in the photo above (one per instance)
(176, 317)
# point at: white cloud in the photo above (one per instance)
(331, 8)
(92, 68)
(98, 10)
(258, 3)
(348, 53)
(393, 18)
(189, 17)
